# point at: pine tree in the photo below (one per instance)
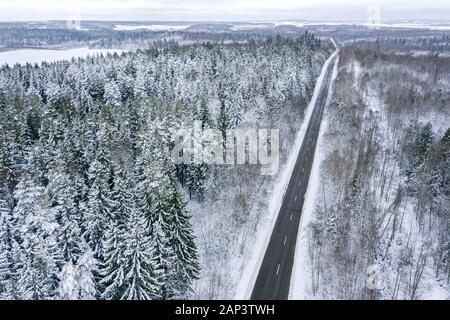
(420, 149)
(39, 252)
(205, 115)
(112, 272)
(112, 94)
(142, 276)
(223, 120)
(439, 181)
(139, 86)
(68, 216)
(77, 282)
(99, 204)
(87, 268)
(122, 195)
(196, 175)
(6, 251)
(186, 264)
(67, 289)
(5, 270)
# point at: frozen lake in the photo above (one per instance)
(152, 27)
(23, 56)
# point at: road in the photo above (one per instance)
(274, 276)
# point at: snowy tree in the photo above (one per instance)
(139, 86)
(122, 195)
(5, 269)
(112, 271)
(98, 210)
(40, 255)
(112, 95)
(142, 279)
(77, 282)
(67, 289)
(186, 265)
(420, 149)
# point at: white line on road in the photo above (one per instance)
(303, 169)
(285, 238)
(278, 268)
(299, 181)
(295, 199)
(290, 219)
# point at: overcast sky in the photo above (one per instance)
(222, 10)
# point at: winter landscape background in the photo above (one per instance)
(93, 206)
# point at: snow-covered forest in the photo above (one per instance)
(92, 205)
(382, 205)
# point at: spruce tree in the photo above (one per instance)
(40, 256)
(186, 265)
(98, 210)
(122, 195)
(142, 273)
(112, 270)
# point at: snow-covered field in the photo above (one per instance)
(251, 26)
(379, 25)
(24, 56)
(152, 27)
(410, 25)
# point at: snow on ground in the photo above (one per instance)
(381, 25)
(409, 233)
(250, 272)
(32, 56)
(410, 25)
(152, 27)
(301, 271)
(289, 23)
(245, 27)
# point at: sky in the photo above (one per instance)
(223, 10)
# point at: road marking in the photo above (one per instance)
(299, 181)
(290, 219)
(303, 169)
(295, 199)
(285, 238)
(278, 268)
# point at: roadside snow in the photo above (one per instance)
(264, 233)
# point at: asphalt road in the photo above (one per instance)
(274, 276)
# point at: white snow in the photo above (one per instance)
(301, 271)
(301, 24)
(290, 23)
(243, 27)
(416, 25)
(248, 277)
(24, 56)
(429, 287)
(152, 27)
